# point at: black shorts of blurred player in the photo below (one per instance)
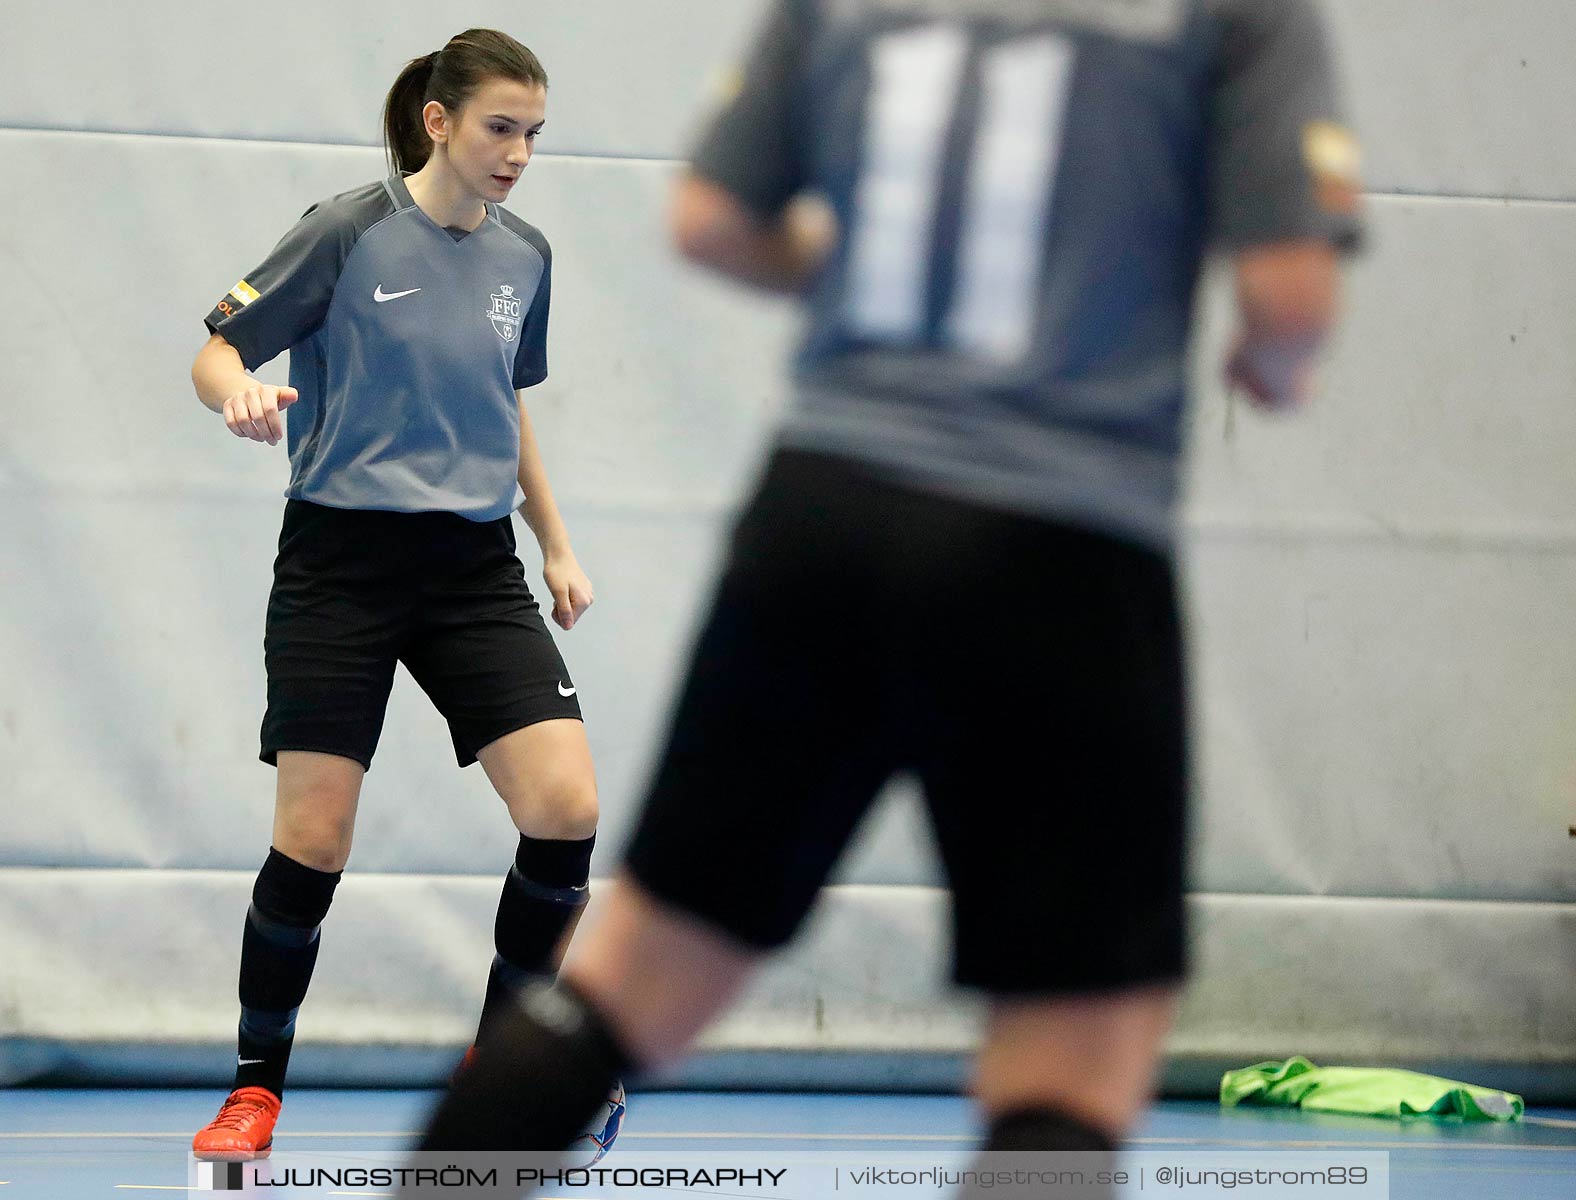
(1029, 673)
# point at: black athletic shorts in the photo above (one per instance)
(1029, 673)
(356, 592)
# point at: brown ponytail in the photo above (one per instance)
(450, 76)
(404, 134)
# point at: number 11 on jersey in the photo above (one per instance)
(916, 81)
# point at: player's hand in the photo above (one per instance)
(570, 588)
(254, 413)
(1275, 376)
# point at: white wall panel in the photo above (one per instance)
(626, 78)
(1382, 584)
(1459, 97)
(1454, 97)
(400, 980)
(1385, 719)
(1382, 981)
(1445, 410)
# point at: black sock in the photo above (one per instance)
(278, 951)
(550, 1060)
(1078, 1158)
(542, 893)
(1045, 1129)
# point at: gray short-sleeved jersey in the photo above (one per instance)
(407, 342)
(1025, 189)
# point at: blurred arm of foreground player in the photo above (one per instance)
(714, 229)
(1288, 294)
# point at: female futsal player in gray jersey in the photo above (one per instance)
(977, 482)
(415, 310)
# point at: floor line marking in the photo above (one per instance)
(1308, 1144)
(409, 1133)
(923, 1138)
(1348, 1145)
(351, 1133)
(808, 1137)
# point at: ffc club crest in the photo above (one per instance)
(505, 312)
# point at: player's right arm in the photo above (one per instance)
(281, 302)
(738, 211)
(1284, 192)
(781, 253)
(250, 409)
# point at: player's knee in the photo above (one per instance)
(325, 856)
(564, 810)
(318, 840)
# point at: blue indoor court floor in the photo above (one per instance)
(73, 1145)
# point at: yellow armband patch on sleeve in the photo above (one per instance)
(726, 85)
(1335, 159)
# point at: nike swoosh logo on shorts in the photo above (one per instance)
(383, 297)
(563, 691)
(247, 1062)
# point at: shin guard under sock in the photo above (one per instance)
(278, 951)
(550, 1060)
(542, 894)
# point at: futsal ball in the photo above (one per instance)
(600, 1132)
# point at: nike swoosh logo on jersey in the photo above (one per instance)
(383, 297)
(563, 691)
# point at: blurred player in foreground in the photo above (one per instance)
(960, 560)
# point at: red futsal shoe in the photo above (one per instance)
(243, 1130)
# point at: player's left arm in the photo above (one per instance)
(1288, 301)
(570, 587)
(1285, 190)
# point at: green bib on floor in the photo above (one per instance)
(1364, 1091)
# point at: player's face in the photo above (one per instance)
(492, 141)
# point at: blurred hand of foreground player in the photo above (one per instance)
(1274, 376)
(714, 228)
(254, 413)
(570, 588)
(1288, 294)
